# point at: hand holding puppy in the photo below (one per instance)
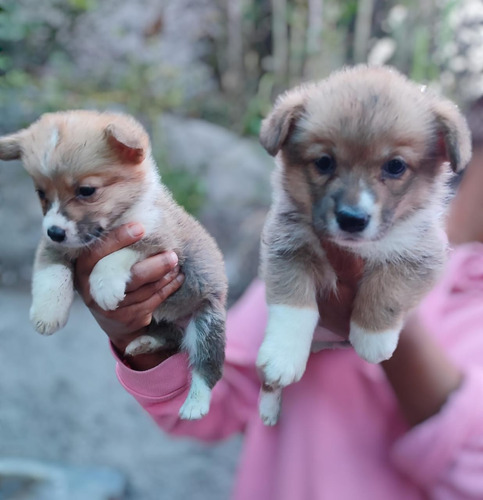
(152, 281)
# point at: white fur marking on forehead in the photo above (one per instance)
(51, 145)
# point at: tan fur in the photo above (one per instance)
(363, 118)
(110, 154)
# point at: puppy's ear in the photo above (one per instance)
(454, 141)
(11, 146)
(128, 140)
(277, 126)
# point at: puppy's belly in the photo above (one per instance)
(177, 308)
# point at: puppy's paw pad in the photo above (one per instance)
(144, 344)
(107, 293)
(45, 323)
(374, 347)
(269, 406)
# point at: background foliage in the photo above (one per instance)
(223, 61)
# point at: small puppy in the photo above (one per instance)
(93, 172)
(362, 163)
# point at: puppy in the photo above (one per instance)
(93, 172)
(363, 160)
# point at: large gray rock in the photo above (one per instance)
(20, 224)
(22, 479)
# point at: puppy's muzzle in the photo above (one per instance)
(56, 234)
(352, 220)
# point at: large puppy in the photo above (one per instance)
(93, 172)
(363, 159)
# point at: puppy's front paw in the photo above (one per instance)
(283, 355)
(281, 366)
(108, 289)
(47, 320)
(110, 276)
(373, 346)
(197, 402)
(269, 405)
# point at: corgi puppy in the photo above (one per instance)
(93, 172)
(362, 162)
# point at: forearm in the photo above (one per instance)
(421, 374)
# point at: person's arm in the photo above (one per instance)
(438, 380)
(421, 374)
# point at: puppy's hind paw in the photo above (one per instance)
(144, 344)
(197, 403)
(374, 347)
(269, 405)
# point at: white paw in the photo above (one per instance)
(110, 276)
(283, 355)
(47, 320)
(373, 346)
(108, 290)
(197, 402)
(269, 405)
(52, 295)
(281, 366)
(143, 345)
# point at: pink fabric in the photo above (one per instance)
(340, 436)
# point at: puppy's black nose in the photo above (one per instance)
(56, 233)
(352, 220)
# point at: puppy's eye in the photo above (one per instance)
(325, 164)
(86, 191)
(41, 194)
(395, 167)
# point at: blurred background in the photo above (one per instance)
(200, 75)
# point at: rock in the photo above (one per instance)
(20, 224)
(34, 480)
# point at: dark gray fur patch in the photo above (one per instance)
(171, 334)
(209, 353)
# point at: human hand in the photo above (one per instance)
(153, 280)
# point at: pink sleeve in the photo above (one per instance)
(162, 390)
(444, 454)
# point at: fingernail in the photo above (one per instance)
(180, 278)
(135, 230)
(173, 258)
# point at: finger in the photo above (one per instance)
(118, 238)
(163, 293)
(151, 270)
(145, 292)
(137, 316)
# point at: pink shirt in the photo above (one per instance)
(340, 435)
